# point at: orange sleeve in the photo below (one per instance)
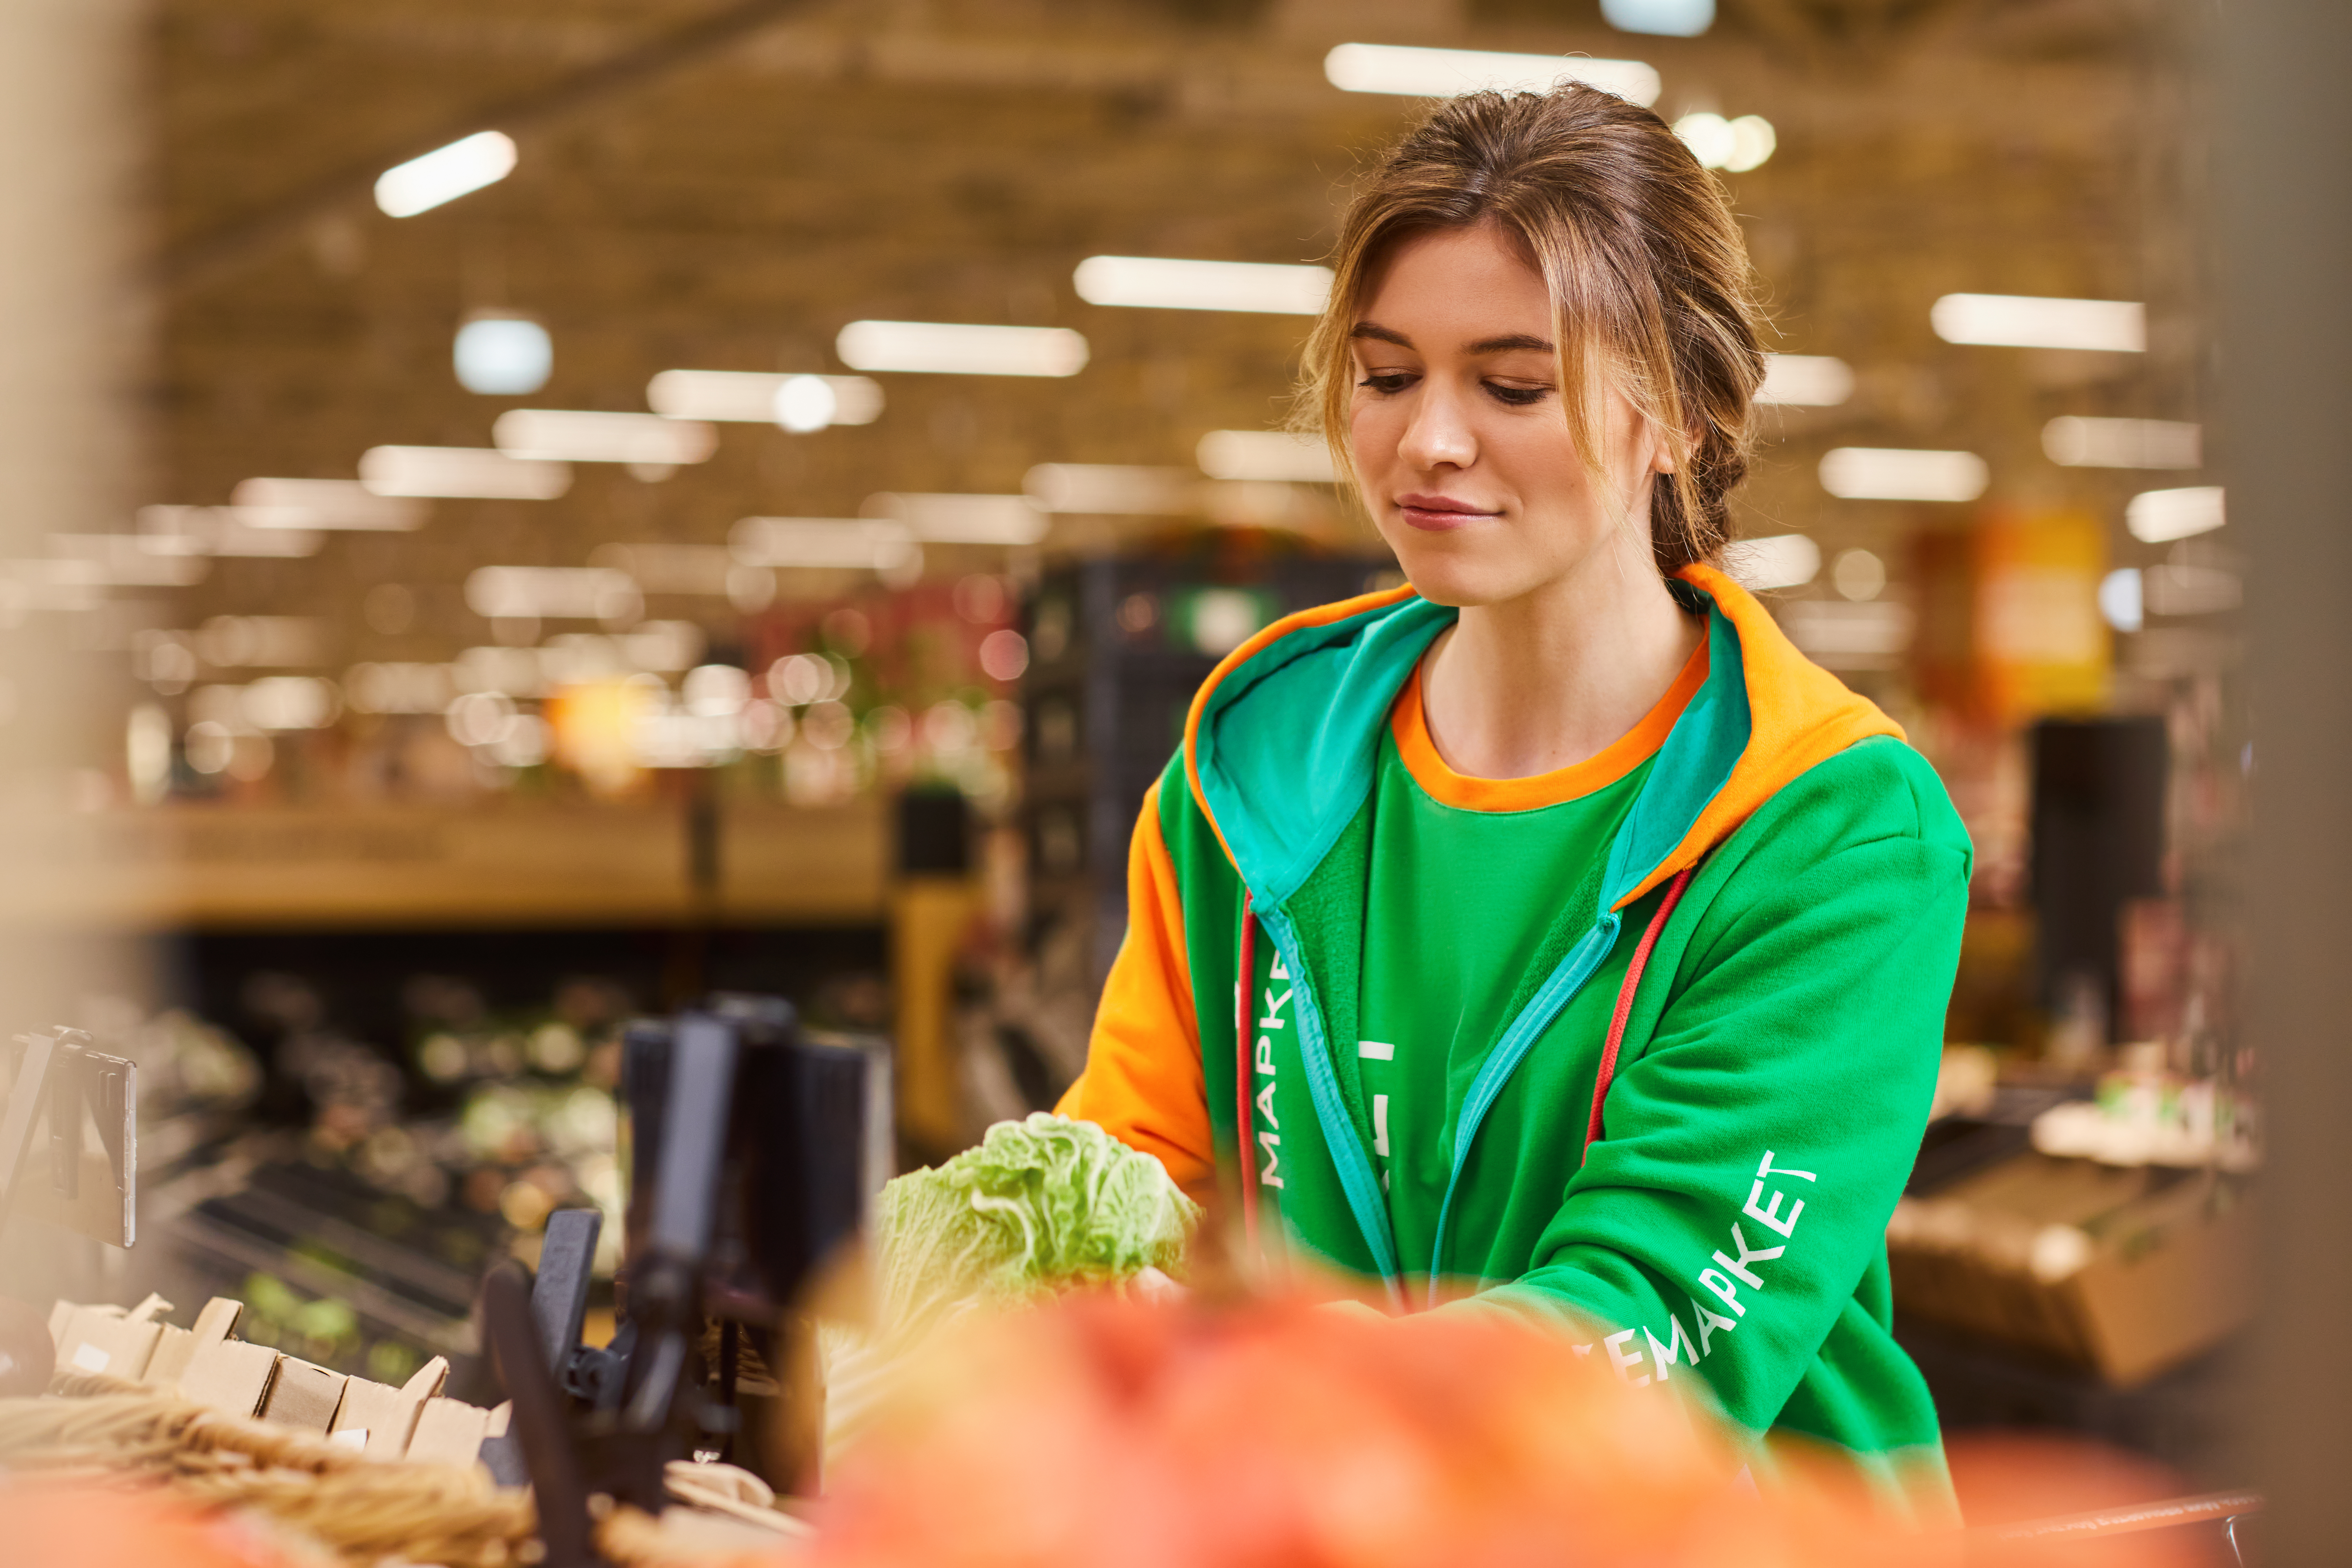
(1142, 1083)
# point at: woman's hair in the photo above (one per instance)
(1636, 244)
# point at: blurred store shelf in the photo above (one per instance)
(506, 865)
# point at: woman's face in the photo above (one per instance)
(1460, 441)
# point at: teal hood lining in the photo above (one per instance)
(1287, 744)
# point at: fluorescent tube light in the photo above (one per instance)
(444, 174)
(1265, 455)
(2078, 442)
(1122, 488)
(950, 348)
(323, 503)
(1444, 73)
(2024, 320)
(508, 356)
(960, 519)
(578, 435)
(1737, 145)
(854, 543)
(1782, 560)
(1840, 635)
(2121, 600)
(1674, 18)
(1897, 473)
(1814, 381)
(757, 398)
(1163, 284)
(479, 472)
(218, 531)
(122, 561)
(551, 592)
(2158, 516)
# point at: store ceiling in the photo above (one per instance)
(723, 186)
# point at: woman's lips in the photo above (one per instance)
(1439, 514)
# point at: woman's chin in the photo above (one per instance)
(1444, 577)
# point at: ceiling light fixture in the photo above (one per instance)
(1264, 455)
(340, 504)
(2078, 442)
(853, 544)
(552, 593)
(1444, 73)
(953, 348)
(1111, 488)
(1674, 18)
(581, 435)
(1898, 473)
(2160, 517)
(1782, 560)
(1814, 381)
(502, 356)
(960, 519)
(1162, 283)
(1737, 145)
(2025, 320)
(476, 472)
(762, 397)
(444, 174)
(218, 531)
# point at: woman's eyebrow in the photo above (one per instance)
(1374, 329)
(1510, 344)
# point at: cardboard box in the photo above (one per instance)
(226, 1374)
(2124, 1271)
(378, 1419)
(450, 1432)
(106, 1339)
(303, 1394)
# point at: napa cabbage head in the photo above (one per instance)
(1042, 1204)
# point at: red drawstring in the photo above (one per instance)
(1625, 1005)
(1243, 1076)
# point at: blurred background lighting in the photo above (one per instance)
(2024, 320)
(1858, 575)
(2158, 516)
(961, 519)
(754, 397)
(1674, 18)
(1816, 381)
(1111, 488)
(479, 472)
(1781, 561)
(1264, 455)
(323, 503)
(552, 593)
(2082, 443)
(1737, 145)
(508, 356)
(1900, 473)
(842, 542)
(218, 531)
(2119, 599)
(444, 174)
(803, 404)
(950, 348)
(1159, 283)
(579, 436)
(1443, 73)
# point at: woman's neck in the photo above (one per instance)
(1552, 677)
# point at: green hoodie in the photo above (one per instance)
(1778, 1058)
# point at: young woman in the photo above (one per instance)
(1591, 945)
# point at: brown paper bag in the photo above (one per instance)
(379, 1419)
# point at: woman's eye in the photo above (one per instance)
(1517, 396)
(1387, 382)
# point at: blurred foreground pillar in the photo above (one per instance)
(73, 323)
(2284, 226)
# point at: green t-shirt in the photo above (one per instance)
(1460, 902)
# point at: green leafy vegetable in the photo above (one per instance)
(1041, 1205)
